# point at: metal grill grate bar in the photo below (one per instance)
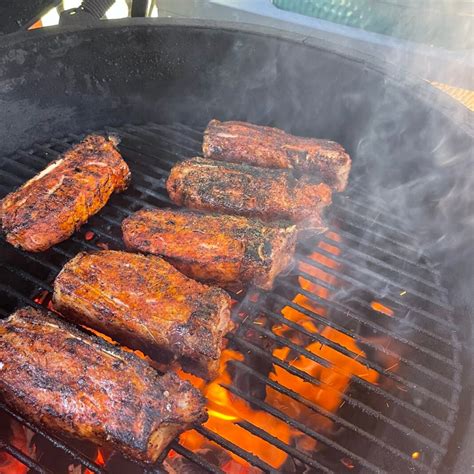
(55, 441)
(356, 284)
(364, 360)
(33, 466)
(382, 265)
(198, 460)
(368, 386)
(233, 448)
(347, 399)
(351, 313)
(327, 342)
(301, 427)
(338, 420)
(441, 338)
(255, 430)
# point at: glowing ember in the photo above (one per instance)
(8, 463)
(380, 308)
(100, 459)
(335, 375)
(41, 297)
(89, 235)
(415, 455)
(225, 410)
(347, 463)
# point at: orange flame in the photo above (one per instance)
(8, 463)
(225, 410)
(100, 459)
(380, 308)
(335, 378)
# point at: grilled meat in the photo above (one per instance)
(48, 208)
(269, 194)
(227, 251)
(145, 303)
(242, 142)
(76, 384)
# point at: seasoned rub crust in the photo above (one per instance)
(268, 194)
(242, 142)
(51, 206)
(76, 384)
(144, 303)
(228, 251)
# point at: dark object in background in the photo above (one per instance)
(16, 14)
(87, 14)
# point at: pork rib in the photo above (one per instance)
(242, 142)
(227, 251)
(76, 384)
(144, 303)
(268, 194)
(51, 206)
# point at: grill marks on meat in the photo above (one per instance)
(228, 251)
(51, 206)
(269, 194)
(77, 384)
(145, 303)
(273, 148)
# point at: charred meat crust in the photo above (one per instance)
(51, 206)
(267, 194)
(74, 383)
(144, 303)
(242, 142)
(227, 251)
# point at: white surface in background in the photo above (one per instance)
(50, 18)
(154, 12)
(68, 4)
(118, 10)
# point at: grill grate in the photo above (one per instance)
(366, 256)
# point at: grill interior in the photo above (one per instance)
(366, 256)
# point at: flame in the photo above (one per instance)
(100, 459)
(225, 410)
(335, 376)
(8, 463)
(380, 308)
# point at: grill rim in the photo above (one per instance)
(413, 84)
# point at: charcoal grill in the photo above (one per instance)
(413, 419)
(386, 255)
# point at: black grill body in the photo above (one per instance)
(405, 224)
